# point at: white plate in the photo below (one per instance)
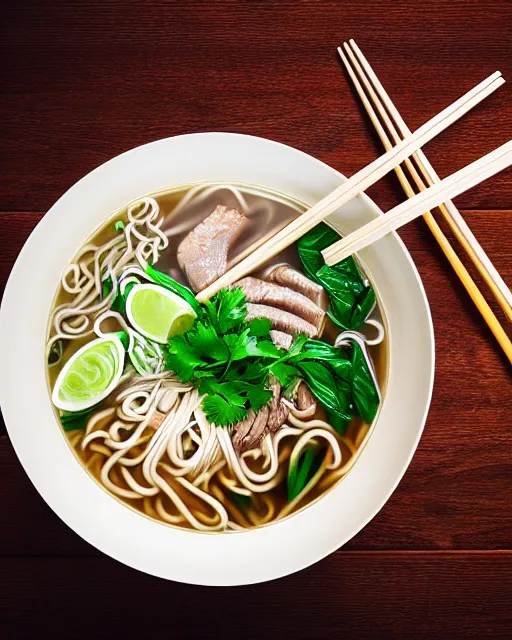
(221, 559)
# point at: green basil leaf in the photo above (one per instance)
(366, 397)
(321, 351)
(312, 244)
(73, 420)
(305, 469)
(326, 388)
(241, 502)
(337, 422)
(351, 300)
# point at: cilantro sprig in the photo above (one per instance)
(226, 358)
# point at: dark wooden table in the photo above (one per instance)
(84, 81)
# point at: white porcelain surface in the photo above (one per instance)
(221, 559)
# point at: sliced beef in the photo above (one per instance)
(247, 438)
(275, 295)
(289, 277)
(281, 320)
(278, 411)
(203, 254)
(305, 398)
(242, 430)
(249, 433)
(281, 339)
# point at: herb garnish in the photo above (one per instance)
(350, 296)
(304, 470)
(230, 361)
(73, 420)
(226, 358)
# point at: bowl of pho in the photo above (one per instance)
(175, 435)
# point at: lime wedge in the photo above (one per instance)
(89, 375)
(158, 313)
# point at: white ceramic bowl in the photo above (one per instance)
(222, 559)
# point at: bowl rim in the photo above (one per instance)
(9, 396)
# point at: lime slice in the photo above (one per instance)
(89, 375)
(158, 313)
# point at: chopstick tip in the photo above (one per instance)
(497, 76)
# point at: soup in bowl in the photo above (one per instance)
(277, 417)
(223, 416)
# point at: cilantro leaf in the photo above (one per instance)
(246, 370)
(182, 359)
(298, 344)
(240, 345)
(229, 391)
(227, 309)
(221, 412)
(258, 397)
(207, 343)
(265, 349)
(260, 327)
(230, 362)
(284, 373)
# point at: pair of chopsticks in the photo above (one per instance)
(385, 116)
(433, 196)
(354, 185)
(460, 181)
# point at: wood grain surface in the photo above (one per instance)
(84, 81)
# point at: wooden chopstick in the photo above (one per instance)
(426, 174)
(459, 268)
(354, 185)
(460, 181)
